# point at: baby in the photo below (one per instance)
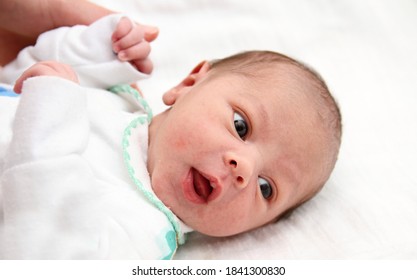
(86, 174)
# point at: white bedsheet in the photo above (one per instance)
(367, 52)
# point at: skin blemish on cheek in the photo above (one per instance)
(180, 142)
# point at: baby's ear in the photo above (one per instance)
(198, 73)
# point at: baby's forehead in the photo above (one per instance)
(277, 96)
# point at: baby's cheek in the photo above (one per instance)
(180, 143)
(183, 141)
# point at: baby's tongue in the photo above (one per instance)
(201, 185)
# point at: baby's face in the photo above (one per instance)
(232, 154)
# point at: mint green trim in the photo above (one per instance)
(133, 92)
(170, 237)
(150, 196)
(141, 120)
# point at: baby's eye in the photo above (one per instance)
(240, 125)
(265, 187)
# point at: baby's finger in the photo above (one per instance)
(144, 66)
(139, 51)
(19, 82)
(123, 27)
(151, 32)
(135, 36)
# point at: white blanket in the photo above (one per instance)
(367, 52)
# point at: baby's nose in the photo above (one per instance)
(241, 169)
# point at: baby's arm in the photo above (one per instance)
(44, 176)
(89, 49)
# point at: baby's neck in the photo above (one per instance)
(156, 122)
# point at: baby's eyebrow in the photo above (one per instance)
(263, 114)
(260, 110)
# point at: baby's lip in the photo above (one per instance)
(200, 188)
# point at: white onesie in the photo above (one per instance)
(73, 176)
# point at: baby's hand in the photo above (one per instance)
(46, 68)
(131, 43)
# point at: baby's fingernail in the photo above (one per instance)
(122, 55)
(153, 29)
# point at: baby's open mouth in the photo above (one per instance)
(202, 186)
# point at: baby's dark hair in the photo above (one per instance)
(252, 64)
